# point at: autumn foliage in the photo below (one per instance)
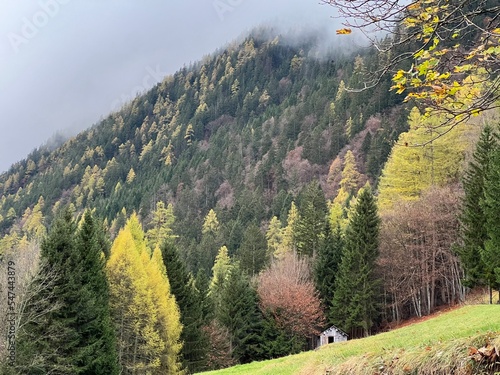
(288, 294)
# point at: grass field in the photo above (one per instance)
(436, 346)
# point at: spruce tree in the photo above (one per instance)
(490, 253)
(312, 221)
(49, 343)
(473, 217)
(239, 313)
(252, 253)
(194, 340)
(76, 337)
(97, 345)
(355, 306)
(327, 264)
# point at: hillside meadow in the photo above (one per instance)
(436, 346)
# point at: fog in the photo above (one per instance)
(67, 63)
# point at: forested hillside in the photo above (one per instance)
(241, 132)
(240, 207)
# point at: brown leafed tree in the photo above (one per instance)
(287, 292)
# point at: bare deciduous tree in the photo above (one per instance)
(419, 268)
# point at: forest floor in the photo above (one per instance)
(458, 340)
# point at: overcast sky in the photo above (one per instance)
(66, 63)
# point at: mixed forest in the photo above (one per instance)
(243, 205)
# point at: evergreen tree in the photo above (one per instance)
(473, 217)
(355, 305)
(327, 264)
(202, 284)
(50, 343)
(490, 254)
(78, 337)
(312, 221)
(97, 345)
(194, 340)
(239, 313)
(252, 253)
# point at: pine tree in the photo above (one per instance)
(355, 302)
(193, 353)
(473, 217)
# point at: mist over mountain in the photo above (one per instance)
(66, 64)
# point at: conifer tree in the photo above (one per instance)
(78, 337)
(274, 237)
(327, 264)
(168, 313)
(239, 313)
(193, 353)
(93, 318)
(473, 217)
(289, 233)
(220, 273)
(252, 253)
(312, 221)
(162, 223)
(490, 254)
(133, 311)
(145, 314)
(49, 344)
(350, 179)
(355, 305)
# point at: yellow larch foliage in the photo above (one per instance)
(428, 154)
(144, 312)
(133, 312)
(168, 312)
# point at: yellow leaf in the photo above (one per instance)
(344, 31)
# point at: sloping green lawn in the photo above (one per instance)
(438, 345)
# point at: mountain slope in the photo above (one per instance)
(244, 131)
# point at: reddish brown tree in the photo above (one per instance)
(287, 292)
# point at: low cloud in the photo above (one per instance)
(66, 64)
